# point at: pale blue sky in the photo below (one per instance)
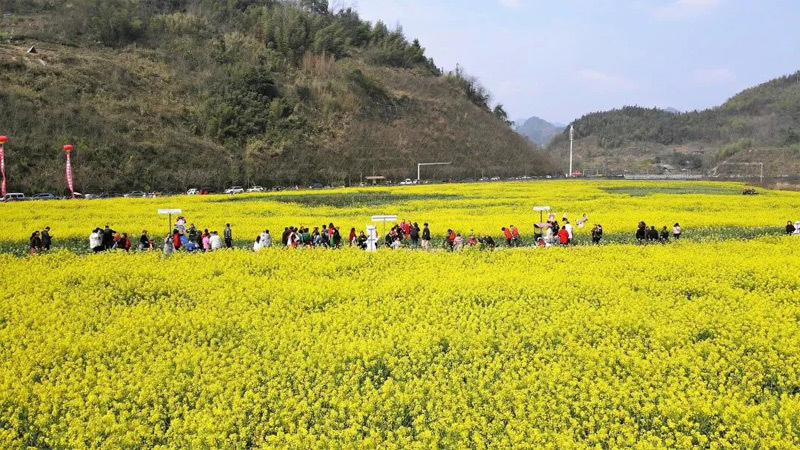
(560, 59)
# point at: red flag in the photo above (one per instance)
(69, 176)
(3, 171)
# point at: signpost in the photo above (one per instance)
(541, 210)
(384, 219)
(169, 212)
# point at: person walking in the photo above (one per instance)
(176, 239)
(266, 239)
(206, 241)
(664, 235)
(34, 243)
(144, 241)
(228, 236)
(508, 236)
(641, 232)
(426, 237)
(216, 241)
(652, 234)
(47, 240)
(568, 227)
(108, 238)
(337, 238)
(414, 235)
(597, 234)
(123, 243)
(96, 240)
(677, 231)
(515, 236)
(563, 236)
(169, 245)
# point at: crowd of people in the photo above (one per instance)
(651, 235)
(40, 241)
(406, 234)
(193, 239)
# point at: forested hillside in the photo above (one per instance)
(761, 124)
(174, 94)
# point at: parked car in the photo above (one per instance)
(135, 194)
(193, 191)
(316, 186)
(234, 190)
(407, 182)
(14, 197)
(256, 189)
(44, 196)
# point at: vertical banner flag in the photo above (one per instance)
(3, 141)
(68, 150)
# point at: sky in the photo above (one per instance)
(561, 59)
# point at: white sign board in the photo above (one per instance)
(169, 211)
(384, 218)
(541, 208)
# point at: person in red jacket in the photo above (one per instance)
(176, 239)
(563, 236)
(515, 235)
(507, 234)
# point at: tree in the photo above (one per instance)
(501, 114)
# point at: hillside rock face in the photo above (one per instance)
(190, 93)
(758, 125)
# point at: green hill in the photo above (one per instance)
(759, 125)
(174, 94)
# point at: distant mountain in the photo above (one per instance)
(539, 130)
(672, 110)
(758, 125)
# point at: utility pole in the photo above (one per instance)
(571, 140)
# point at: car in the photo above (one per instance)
(316, 186)
(277, 189)
(14, 197)
(135, 194)
(407, 182)
(193, 191)
(44, 196)
(495, 179)
(256, 189)
(234, 190)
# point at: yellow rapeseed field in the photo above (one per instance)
(681, 346)
(694, 344)
(480, 207)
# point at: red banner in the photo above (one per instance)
(3, 171)
(69, 176)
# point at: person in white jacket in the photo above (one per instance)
(568, 227)
(266, 239)
(216, 241)
(96, 241)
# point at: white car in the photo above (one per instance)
(235, 190)
(407, 182)
(256, 189)
(192, 191)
